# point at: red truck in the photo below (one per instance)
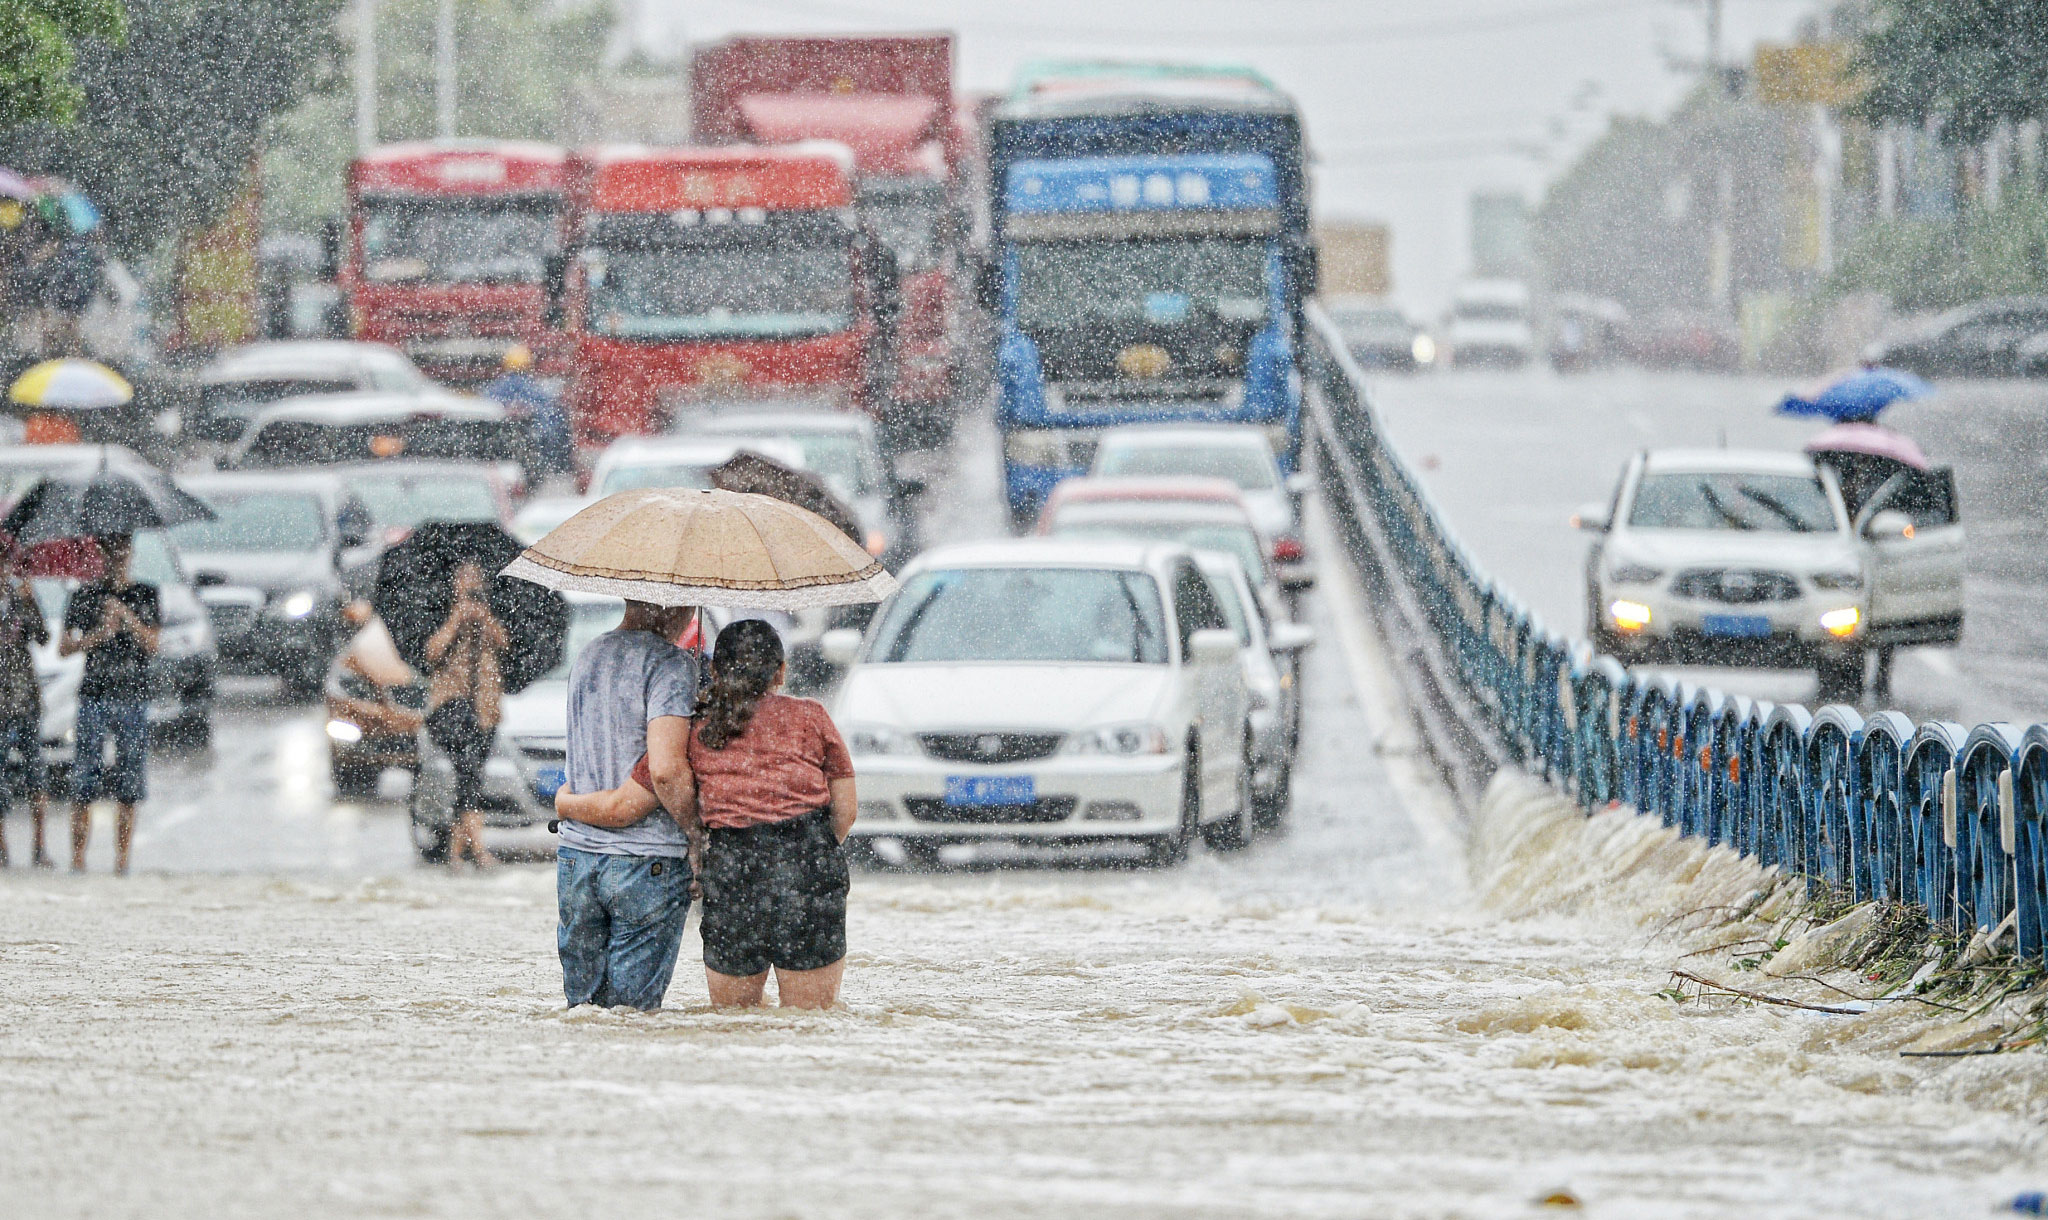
(890, 100)
(719, 274)
(448, 251)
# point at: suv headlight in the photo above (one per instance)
(1837, 578)
(877, 739)
(1123, 740)
(1633, 573)
(297, 605)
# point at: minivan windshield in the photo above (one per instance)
(1732, 500)
(1025, 614)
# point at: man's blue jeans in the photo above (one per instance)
(621, 923)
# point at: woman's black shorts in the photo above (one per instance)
(774, 895)
(453, 727)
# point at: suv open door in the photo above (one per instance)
(1915, 533)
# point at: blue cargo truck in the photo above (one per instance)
(1149, 255)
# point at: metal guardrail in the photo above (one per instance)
(1953, 819)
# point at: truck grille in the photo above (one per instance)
(1048, 809)
(990, 747)
(1735, 586)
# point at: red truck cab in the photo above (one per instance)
(448, 251)
(714, 275)
(890, 100)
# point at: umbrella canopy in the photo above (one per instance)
(71, 385)
(1858, 396)
(680, 547)
(747, 471)
(14, 186)
(78, 212)
(107, 502)
(1870, 440)
(416, 585)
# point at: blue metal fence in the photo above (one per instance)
(1954, 819)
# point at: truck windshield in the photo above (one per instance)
(906, 217)
(1714, 500)
(458, 241)
(692, 292)
(1155, 280)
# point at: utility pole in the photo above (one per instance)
(366, 75)
(444, 70)
(1720, 247)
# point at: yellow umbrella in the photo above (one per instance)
(71, 385)
(682, 547)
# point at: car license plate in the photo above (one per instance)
(549, 780)
(1745, 626)
(991, 790)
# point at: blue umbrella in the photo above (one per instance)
(79, 212)
(1859, 396)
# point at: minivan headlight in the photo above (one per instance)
(881, 740)
(1122, 740)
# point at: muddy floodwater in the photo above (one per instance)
(1335, 1023)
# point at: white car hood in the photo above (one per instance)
(541, 710)
(1798, 553)
(977, 696)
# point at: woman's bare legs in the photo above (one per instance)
(810, 988)
(735, 991)
(467, 837)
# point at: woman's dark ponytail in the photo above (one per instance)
(743, 668)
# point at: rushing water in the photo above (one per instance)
(1328, 1025)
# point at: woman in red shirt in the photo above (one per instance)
(774, 790)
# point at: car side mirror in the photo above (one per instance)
(1591, 518)
(1888, 526)
(1297, 578)
(840, 646)
(1291, 637)
(1212, 647)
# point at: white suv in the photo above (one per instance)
(1725, 557)
(1047, 691)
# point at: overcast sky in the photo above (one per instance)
(1411, 105)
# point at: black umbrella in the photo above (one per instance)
(750, 472)
(416, 585)
(107, 502)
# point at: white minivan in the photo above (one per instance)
(1050, 692)
(1490, 324)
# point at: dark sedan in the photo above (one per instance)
(1984, 339)
(302, 541)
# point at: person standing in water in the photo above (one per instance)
(114, 621)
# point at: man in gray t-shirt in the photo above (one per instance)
(624, 892)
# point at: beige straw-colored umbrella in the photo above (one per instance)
(680, 547)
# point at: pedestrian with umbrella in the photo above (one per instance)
(623, 874)
(21, 701)
(114, 622)
(477, 638)
(60, 392)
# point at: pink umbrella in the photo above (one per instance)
(14, 186)
(1871, 440)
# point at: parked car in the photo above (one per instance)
(301, 539)
(348, 429)
(1270, 653)
(1235, 453)
(1203, 514)
(1379, 336)
(1981, 339)
(842, 449)
(1585, 332)
(1490, 324)
(400, 495)
(1685, 339)
(1727, 557)
(240, 381)
(540, 515)
(527, 759)
(181, 672)
(1047, 691)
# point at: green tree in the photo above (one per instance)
(515, 61)
(38, 51)
(171, 119)
(1967, 65)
